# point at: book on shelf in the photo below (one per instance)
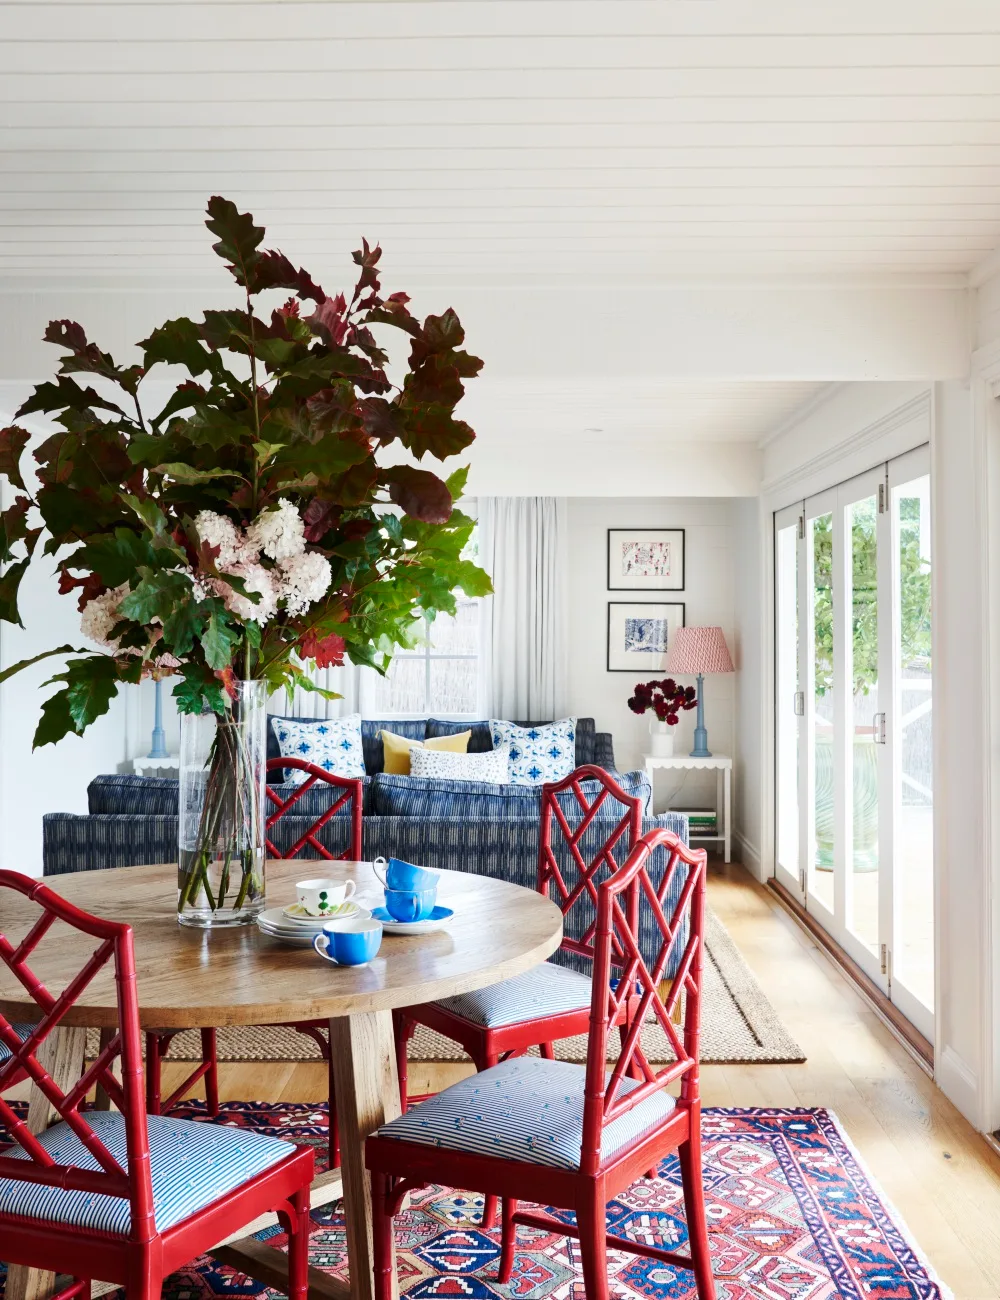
(701, 821)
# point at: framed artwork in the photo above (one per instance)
(639, 635)
(645, 559)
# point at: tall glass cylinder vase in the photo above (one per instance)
(220, 866)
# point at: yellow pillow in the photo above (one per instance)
(397, 749)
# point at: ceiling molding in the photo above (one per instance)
(800, 413)
(917, 408)
(985, 270)
(986, 365)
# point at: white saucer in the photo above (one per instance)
(276, 925)
(437, 920)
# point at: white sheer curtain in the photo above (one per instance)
(353, 683)
(523, 547)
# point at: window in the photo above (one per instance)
(442, 675)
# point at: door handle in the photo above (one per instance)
(878, 728)
(799, 704)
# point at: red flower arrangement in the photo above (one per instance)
(665, 698)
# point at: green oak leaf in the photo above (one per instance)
(10, 583)
(218, 641)
(46, 654)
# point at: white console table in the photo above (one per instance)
(722, 765)
(169, 766)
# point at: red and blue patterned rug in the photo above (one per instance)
(793, 1215)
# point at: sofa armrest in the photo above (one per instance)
(96, 841)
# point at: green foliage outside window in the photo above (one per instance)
(915, 595)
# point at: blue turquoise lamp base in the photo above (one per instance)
(701, 749)
(159, 749)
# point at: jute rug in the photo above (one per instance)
(739, 1025)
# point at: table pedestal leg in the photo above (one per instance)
(62, 1055)
(364, 1064)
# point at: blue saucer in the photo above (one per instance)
(436, 921)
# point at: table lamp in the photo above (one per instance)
(696, 651)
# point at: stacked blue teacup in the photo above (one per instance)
(410, 891)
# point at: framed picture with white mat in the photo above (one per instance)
(645, 559)
(640, 633)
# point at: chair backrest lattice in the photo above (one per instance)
(114, 947)
(575, 883)
(681, 928)
(352, 793)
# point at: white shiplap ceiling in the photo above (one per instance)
(633, 412)
(512, 138)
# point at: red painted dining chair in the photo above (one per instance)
(551, 1001)
(569, 1136)
(350, 798)
(119, 1195)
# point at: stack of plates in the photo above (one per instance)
(290, 926)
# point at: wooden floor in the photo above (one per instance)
(940, 1175)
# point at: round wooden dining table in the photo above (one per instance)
(191, 978)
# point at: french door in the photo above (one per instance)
(853, 718)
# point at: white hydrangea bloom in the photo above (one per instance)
(219, 531)
(278, 532)
(101, 614)
(257, 579)
(306, 579)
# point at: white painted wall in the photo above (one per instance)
(708, 597)
(55, 777)
(748, 559)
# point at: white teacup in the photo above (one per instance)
(322, 897)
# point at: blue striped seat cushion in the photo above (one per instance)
(191, 1166)
(523, 1109)
(547, 990)
(22, 1032)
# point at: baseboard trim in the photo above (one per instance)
(749, 855)
(915, 1043)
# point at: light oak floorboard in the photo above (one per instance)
(937, 1171)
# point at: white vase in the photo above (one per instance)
(661, 739)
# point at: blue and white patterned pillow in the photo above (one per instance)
(493, 766)
(334, 744)
(537, 754)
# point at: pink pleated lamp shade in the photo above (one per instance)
(696, 650)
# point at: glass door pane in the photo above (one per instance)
(787, 702)
(821, 700)
(913, 792)
(862, 885)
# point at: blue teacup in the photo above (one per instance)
(349, 942)
(405, 876)
(410, 904)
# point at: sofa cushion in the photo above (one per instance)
(142, 796)
(524, 1109)
(396, 748)
(191, 1165)
(371, 738)
(319, 797)
(539, 753)
(428, 797)
(480, 742)
(433, 797)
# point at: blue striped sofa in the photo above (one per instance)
(490, 830)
